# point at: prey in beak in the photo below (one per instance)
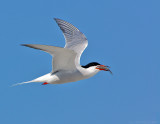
(104, 68)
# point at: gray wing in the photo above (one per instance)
(64, 59)
(75, 40)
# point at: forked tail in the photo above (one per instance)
(22, 83)
(39, 79)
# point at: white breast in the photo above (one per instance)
(65, 76)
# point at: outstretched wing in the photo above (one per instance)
(75, 40)
(64, 59)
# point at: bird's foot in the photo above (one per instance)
(44, 83)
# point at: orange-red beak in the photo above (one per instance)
(104, 68)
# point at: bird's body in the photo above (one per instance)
(66, 61)
(65, 76)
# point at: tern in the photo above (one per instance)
(66, 61)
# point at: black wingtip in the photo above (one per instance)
(56, 19)
(23, 44)
(27, 45)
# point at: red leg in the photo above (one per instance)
(44, 83)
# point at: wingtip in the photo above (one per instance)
(56, 19)
(23, 44)
(26, 45)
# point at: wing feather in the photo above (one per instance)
(63, 58)
(66, 58)
(75, 40)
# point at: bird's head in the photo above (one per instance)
(97, 66)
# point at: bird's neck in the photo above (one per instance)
(91, 71)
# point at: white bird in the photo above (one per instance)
(66, 61)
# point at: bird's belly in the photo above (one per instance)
(67, 77)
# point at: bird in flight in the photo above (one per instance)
(66, 61)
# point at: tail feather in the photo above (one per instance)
(22, 83)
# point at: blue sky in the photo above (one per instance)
(123, 34)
